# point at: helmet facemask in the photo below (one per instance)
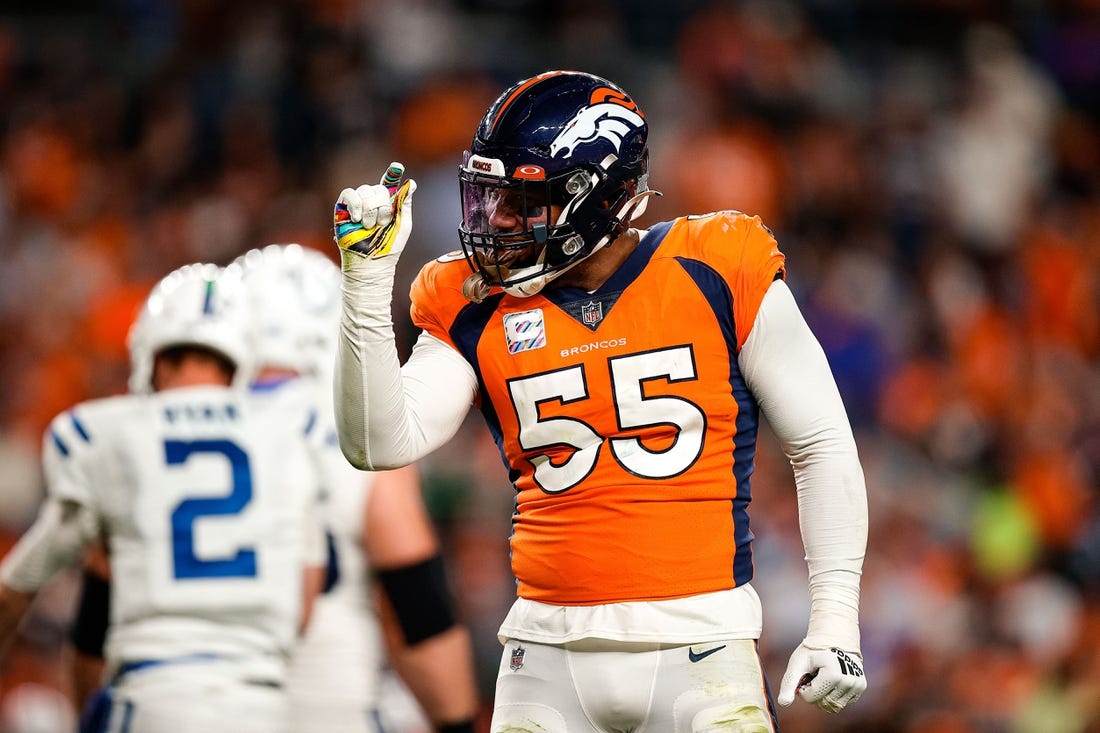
(520, 232)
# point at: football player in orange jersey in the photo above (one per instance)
(622, 373)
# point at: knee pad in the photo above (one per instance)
(732, 719)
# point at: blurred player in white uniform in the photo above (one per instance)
(377, 524)
(207, 504)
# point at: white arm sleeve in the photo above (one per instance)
(315, 544)
(387, 415)
(786, 369)
(53, 543)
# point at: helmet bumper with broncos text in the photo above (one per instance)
(199, 305)
(557, 169)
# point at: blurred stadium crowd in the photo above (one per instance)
(930, 167)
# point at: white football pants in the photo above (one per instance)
(194, 698)
(597, 686)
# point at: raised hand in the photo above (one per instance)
(375, 220)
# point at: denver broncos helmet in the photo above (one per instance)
(557, 169)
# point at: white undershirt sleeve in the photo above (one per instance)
(387, 415)
(54, 542)
(786, 369)
(315, 543)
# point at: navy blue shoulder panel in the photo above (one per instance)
(717, 293)
(465, 332)
(468, 326)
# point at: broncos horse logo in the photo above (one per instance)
(611, 117)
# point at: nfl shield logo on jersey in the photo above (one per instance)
(517, 658)
(592, 313)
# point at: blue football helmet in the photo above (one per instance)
(557, 169)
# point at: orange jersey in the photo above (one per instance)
(622, 416)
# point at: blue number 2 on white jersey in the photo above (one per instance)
(185, 563)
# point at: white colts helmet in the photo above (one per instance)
(196, 305)
(294, 301)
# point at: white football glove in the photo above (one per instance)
(831, 679)
(375, 221)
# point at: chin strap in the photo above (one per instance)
(636, 206)
(474, 288)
